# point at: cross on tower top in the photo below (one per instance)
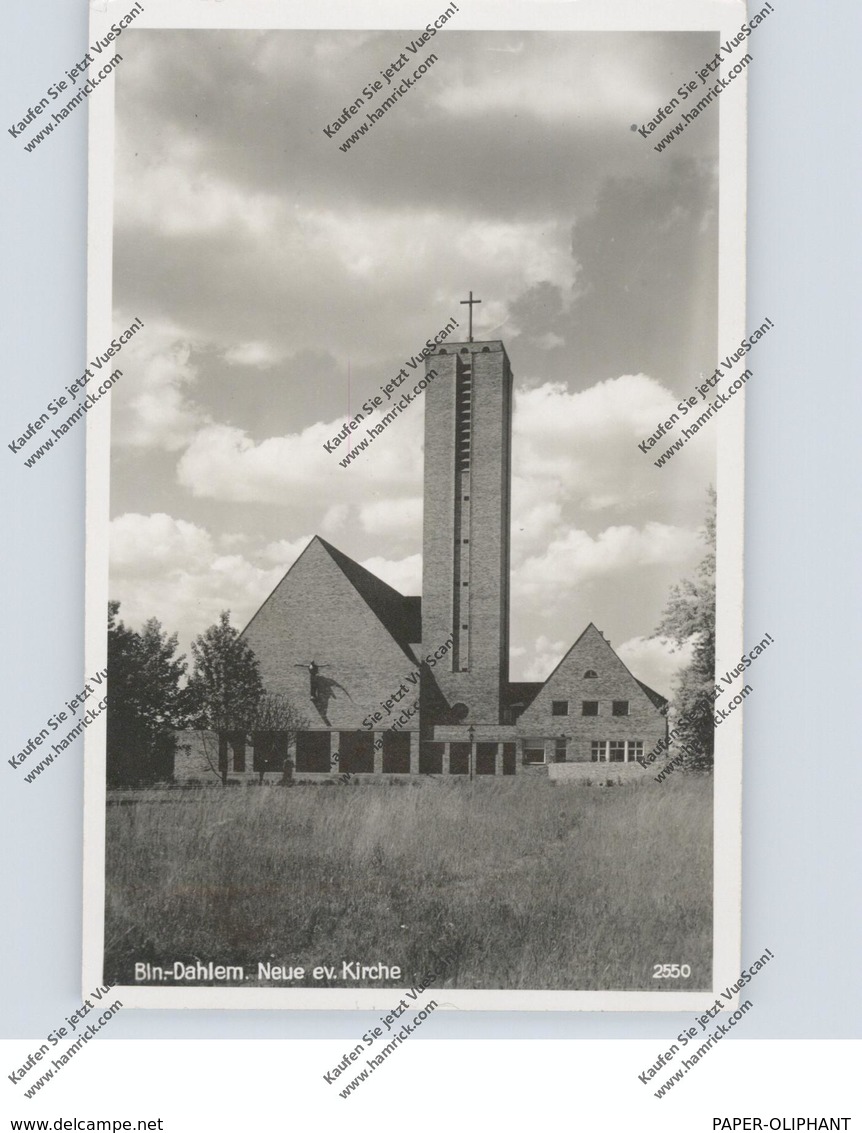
(470, 304)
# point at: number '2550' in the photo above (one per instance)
(671, 971)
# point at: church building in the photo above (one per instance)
(395, 685)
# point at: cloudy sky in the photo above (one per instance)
(282, 281)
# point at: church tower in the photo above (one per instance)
(468, 444)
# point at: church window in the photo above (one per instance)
(465, 627)
(559, 707)
(396, 753)
(598, 750)
(508, 759)
(356, 752)
(590, 675)
(589, 708)
(459, 759)
(486, 759)
(534, 751)
(313, 752)
(620, 708)
(466, 497)
(431, 758)
(269, 750)
(616, 751)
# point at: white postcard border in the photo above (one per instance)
(724, 16)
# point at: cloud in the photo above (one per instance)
(531, 252)
(285, 552)
(151, 406)
(647, 297)
(400, 518)
(171, 569)
(404, 574)
(225, 463)
(549, 341)
(566, 81)
(281, 282)
(649, 659)
(533, 522)
(546, 655)
(144, 543)
(582, 446)
(570, 450)
(259, 355)
(230, 540)
(654, 662)
(180, 197)
(577, 557)
(335, 518)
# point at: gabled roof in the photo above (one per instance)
(398, 614)
(655, 697)
(413, 617)
(521, 692)
(401, 616)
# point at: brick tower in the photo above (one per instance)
(468, 444)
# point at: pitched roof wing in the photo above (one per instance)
(399, 614)
(522, 692)
(656, 697)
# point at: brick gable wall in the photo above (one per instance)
(316, 614)
(644, 722)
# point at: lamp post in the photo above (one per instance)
(471, 731)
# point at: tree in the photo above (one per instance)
(276, 723)
(225, 690)
(144, 703)
(689, 619)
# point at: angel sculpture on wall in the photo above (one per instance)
(321, 690)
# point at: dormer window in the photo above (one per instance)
(590, 675)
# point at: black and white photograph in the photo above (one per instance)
(415, 526)
(431, 623)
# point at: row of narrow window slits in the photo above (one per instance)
(465, 413)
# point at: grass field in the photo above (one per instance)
(520, 883)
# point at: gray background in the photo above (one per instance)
(802, 765)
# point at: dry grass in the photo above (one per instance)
(521, 883)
